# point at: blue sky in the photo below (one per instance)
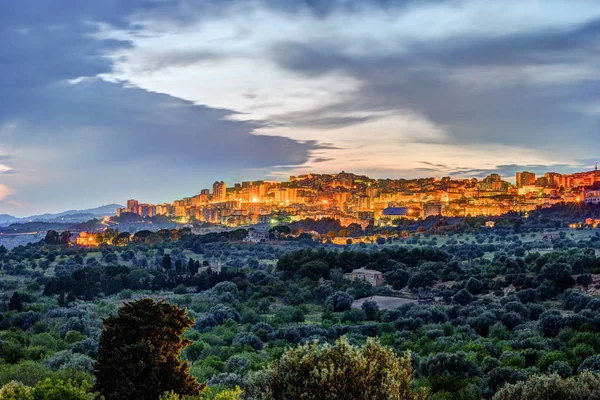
(157, 99)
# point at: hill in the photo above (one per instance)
(69, 215)
(7, 219)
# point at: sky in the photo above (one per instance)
(102, 101)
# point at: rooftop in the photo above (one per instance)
(395, 211)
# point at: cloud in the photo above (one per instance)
(82, 140)
(461, 73)
(433, 164)
(5, 191)
(509, 171)
(156, 99)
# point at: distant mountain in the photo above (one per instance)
(67, 216)
(109, 209)
(7, 219)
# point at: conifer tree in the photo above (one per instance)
(15, 302)
(139, 350)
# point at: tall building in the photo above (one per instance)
(525, 178)
(219, 191)
(133, 206)
(553, 179)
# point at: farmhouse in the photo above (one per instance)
(375, 278)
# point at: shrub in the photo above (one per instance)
(47, 390)
(324, 372)
(590, 364)
(561, 368)
(585, 387)
(449, 371)
(16, 391)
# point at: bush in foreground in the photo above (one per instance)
(552, 387)
(324, 372)
(47, 390)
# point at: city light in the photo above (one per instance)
(361, 200)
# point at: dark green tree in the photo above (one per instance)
(15, 302)
(138, 354)
(51, 238)
(65, 237)
(193, 267)
(62, 301)
(167, 264)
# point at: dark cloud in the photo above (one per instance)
(98, 127)
(509, 171)
(517, 90)
(316, 120)
(322, 159)
(433, 164)
(126, 124)
(421, 169)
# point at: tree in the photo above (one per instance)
(51, 238)
(122, 239)
(340, 301)
(179, 268)
(585, 387)
(371, 309)
(422, 279)
(591, 364)
(325, 372)
(167, 264)
(139, 350)
(474, 286)
(449, 371)
(15, 302)
(193, 267)
(65, 237)
(397, 278)
(463, 297)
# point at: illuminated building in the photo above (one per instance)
(133, 206)
(343, 180)
(393, 213)
(86, 239)
(525, 178)
(219, 191)
(286, 196)
(350, 197)
(432, 209)
(592, 196)
(527, 189)
(364, 203)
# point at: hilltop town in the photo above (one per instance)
(359, 199)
